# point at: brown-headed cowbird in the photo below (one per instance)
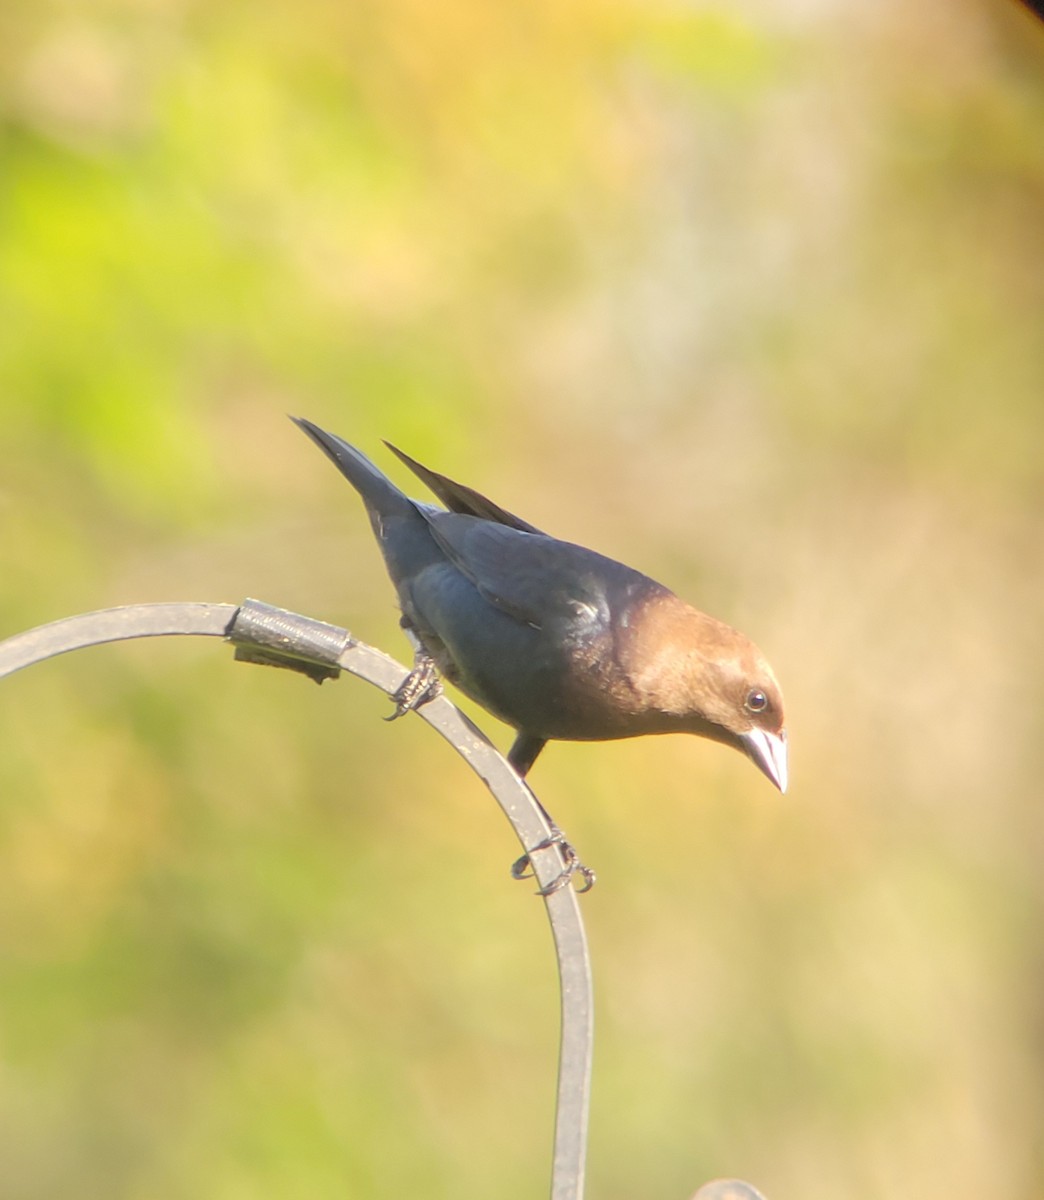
(554, 639)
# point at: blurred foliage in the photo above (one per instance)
(750, 295)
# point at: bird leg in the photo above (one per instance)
(521, 757)
(523, 754)
(421, 685)
(522, 868)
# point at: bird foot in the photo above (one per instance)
(571, 865)
(421, 685)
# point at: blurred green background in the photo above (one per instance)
(749, 295)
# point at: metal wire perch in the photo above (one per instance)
(272, 636)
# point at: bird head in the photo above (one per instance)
(695, 674)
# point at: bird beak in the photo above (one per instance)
(768, 752)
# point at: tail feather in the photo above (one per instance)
(461, 499)
(379, 494)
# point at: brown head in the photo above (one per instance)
(692, 673)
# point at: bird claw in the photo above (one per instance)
(421, 685)
(522, 868)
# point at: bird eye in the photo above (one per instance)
(757, 701)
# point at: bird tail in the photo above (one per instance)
(460, 499)
(379, 494)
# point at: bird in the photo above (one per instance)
(557, 641)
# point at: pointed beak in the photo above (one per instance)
(768, 752)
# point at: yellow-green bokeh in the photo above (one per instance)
(748, 295)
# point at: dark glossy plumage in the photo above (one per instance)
(554, 639)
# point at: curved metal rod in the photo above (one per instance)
(728, 1189)
(276, 637)
(113, 625)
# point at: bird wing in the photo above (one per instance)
(461, 499)
(534, 578)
